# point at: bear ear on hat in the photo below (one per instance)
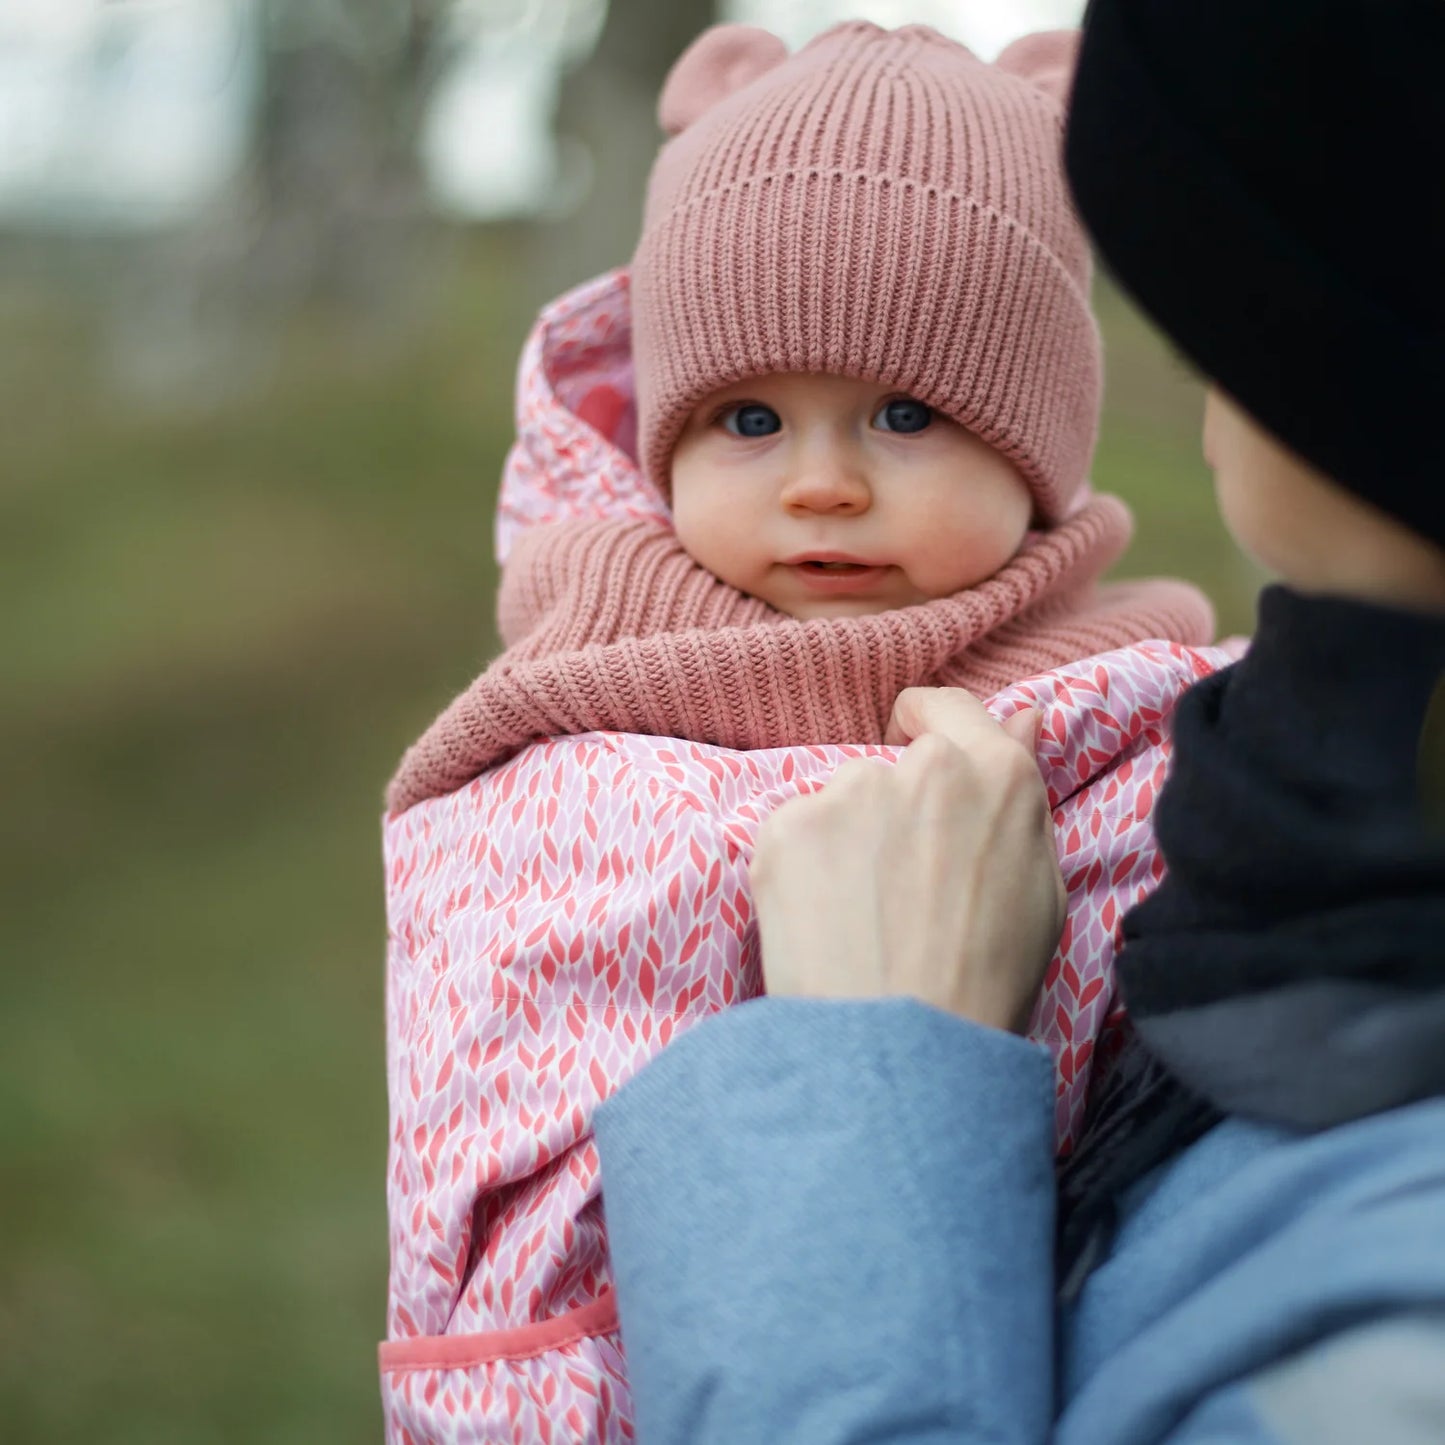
(1046, 60)
(720, 61)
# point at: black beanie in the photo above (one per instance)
(1267, 177)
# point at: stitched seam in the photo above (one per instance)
(497, 1354)
(499, 1357)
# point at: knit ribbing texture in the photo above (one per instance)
(612, 626)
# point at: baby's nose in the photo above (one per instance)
(829, 483)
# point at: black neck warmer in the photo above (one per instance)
(1291, 966)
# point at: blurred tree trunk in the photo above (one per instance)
(331, 209)
(341, 186)
(610, 106)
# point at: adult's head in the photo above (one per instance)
(1266, 179)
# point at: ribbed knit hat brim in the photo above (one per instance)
(718, 311)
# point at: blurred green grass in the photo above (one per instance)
(220, 631)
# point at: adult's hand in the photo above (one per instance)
(936, 878)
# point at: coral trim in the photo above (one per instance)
(526, 1342)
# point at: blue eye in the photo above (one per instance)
(905, 415)
(752, 420)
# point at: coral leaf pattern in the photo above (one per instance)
(557, 921)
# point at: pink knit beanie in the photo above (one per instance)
(881, 205)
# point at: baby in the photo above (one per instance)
(827, 439)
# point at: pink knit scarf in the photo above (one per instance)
(612, 626)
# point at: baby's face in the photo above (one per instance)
(828, 497)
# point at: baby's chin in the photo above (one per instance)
(782, 589)
(809, 609)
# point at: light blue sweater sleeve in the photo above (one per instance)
(833, 1221)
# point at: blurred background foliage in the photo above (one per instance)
(265, 269)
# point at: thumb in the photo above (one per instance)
(907, 719)
(952, 711)
(1023, 727)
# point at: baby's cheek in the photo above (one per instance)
(952, 556)
(692, 507)
(710, 534)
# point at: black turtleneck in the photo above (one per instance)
(1286, 966)
(1291, 966)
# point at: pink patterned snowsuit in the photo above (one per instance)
(555, 922)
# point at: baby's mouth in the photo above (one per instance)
(838, 575)
(843, 562)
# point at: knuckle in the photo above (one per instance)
(933, 749)
(933, 758)
(778, 828)
(856, 779)
(846, 775)
(767, 844)
(1020, 773)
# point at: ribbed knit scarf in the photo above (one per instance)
(612, 626)
(1291, 966)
